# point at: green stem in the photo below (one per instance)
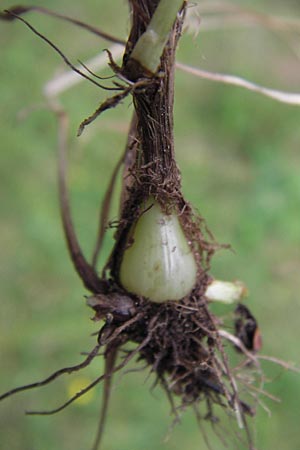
(150, 46)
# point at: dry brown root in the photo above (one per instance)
(55, 375)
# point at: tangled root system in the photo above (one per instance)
(181, 344)
(180, 339)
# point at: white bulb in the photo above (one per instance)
(225, 291)
(159, 263)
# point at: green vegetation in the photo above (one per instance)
(239, 156)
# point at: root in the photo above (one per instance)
(98, 380)
(54, 375)
(110, 360)
(181, 343)
(111, 102)
(85, 271)
(16, 11)
(57, 50)
(104, 211)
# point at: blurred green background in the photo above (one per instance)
(240, 157)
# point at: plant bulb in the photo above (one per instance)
(158, 263)
(225, 291)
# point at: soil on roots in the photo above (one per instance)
(180, 343)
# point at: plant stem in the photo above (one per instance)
(155, 164)
(149, 48)
(154, 172)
